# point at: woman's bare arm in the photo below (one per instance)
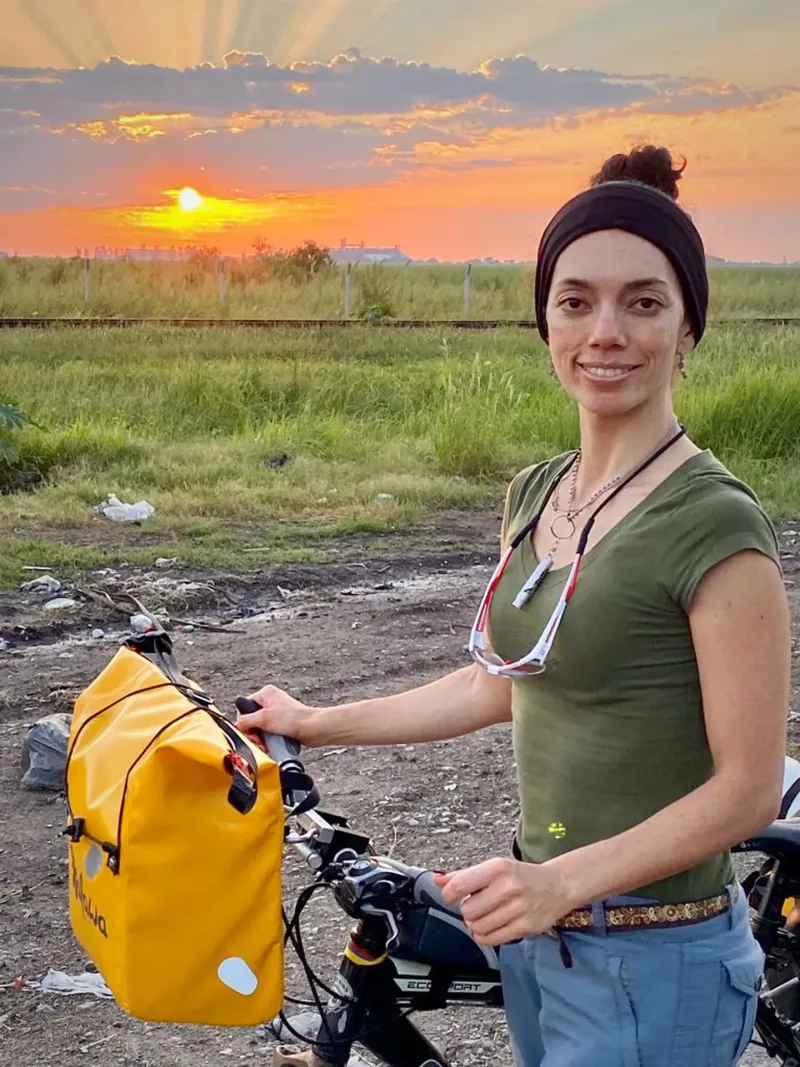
(458, 703)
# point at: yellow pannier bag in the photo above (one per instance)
(175, 846)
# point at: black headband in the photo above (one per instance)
(638, 209)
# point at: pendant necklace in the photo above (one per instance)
(566, 516)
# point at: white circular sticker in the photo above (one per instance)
(236, 975)
(93, 862)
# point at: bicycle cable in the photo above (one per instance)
(294, 935)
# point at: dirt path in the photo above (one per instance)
(389, 614)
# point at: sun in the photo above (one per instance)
(189, 199)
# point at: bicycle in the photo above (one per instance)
(411, 952)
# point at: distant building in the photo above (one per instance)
(359, 253)
(162, 255)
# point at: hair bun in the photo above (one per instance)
(648, 164)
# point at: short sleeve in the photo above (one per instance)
(715, 521)
(510, 509)
(517, 496)
(525, 491)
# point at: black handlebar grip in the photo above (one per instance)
(281, 749)
(427, 892)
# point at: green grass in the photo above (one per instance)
(441, 418)
(56, 288)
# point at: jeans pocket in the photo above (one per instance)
(717, 1001)
(630, 1052)
(744, 979)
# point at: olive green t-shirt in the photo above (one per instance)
(613, 730)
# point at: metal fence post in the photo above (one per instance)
(222, 273)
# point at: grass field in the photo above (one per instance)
(189, 420)
(56, 288)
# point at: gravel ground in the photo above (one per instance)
(390, 614)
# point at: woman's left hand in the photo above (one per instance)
(503, 899)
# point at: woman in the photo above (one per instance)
(649, 714)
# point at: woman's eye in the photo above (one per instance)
(648, 303)
(572, 303)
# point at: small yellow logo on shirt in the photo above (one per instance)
(558, 830)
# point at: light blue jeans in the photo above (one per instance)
(678, 997)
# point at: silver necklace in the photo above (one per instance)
(562, 526)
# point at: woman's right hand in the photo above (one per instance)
(278, 713)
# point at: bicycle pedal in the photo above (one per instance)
(293, 1056)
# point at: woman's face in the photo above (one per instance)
(616, 322)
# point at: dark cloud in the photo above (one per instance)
(271, 158)
(350, 84)
(474, 164)
(245, 59)
(265, 128)
(696, 100)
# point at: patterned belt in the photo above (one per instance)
(649, 916)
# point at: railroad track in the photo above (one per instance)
(42, 323)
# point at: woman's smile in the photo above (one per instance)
(607, 373)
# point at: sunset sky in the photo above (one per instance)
(452, 128)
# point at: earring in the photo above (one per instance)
(682, 367)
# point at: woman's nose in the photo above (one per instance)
(607, 329)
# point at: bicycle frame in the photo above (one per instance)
(374, 990)
(409, 951)
(402, 956)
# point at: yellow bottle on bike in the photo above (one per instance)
(176, 841)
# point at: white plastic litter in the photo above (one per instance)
(140, 624)
(67, 985)
(113, 508)
(59, 603)
(46, 585)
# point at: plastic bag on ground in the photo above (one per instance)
(113, 508)
(46, 585)
(71, 984)
(44, 753)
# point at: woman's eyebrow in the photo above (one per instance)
(645, 283)
(637, 283)
(575, 283)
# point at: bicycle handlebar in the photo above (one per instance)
(281, 749)
(427, 892)
(285, 751)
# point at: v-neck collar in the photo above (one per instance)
(652, 497)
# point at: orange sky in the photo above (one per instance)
(446, 159)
